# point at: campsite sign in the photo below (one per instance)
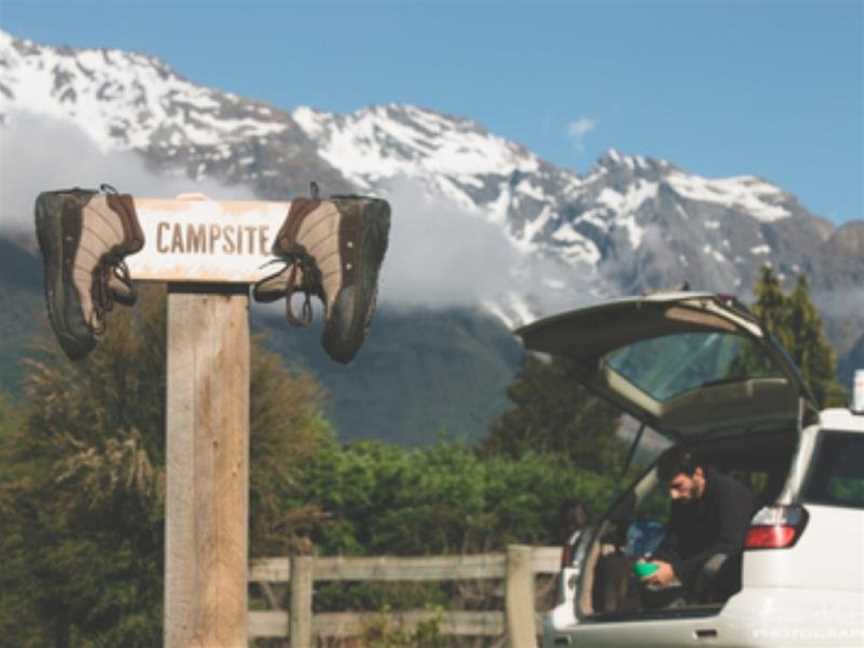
(194, 239)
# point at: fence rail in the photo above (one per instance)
(340, 625)
(517, 568)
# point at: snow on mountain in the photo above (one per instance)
(756, 197)
(631, 223)
(458, 159)
(125, 100)
(382, 142)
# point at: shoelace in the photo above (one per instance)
(103, 301)
(310, 285)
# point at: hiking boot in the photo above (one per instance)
(332, 249)
(84, 236)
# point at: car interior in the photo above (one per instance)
(610, 591)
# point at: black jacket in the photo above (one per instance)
(716, 523)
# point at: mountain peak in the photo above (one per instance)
(125, 100)
(614, 160)
(381, 142)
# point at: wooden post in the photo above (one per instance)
(520, 597)
(301, 602)
(207, 448)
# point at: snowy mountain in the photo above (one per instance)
(579, 219)
(631, 224)
(127, 101)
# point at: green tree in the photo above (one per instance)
(82, 483)
(17, 617)
(553, 413)
(770, 305)
(795, 323)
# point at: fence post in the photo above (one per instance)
(301, 602)
(520, 597)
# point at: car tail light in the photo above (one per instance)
(776, 527)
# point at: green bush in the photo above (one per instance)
(446, 499)
(382, 499)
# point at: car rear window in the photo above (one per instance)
(837, 475)
(670, 365)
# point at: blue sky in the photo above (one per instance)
(771, 88)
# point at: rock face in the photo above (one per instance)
(631, 224)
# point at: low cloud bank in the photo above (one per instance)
(841, 303)
(440, 255)
(39, 153)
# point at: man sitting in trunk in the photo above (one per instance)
(710, 515)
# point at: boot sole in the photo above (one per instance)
(373, 246)
(57, 256)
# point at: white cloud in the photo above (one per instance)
(840, 302)
(39, 153)
(440, 255)
(578, 129)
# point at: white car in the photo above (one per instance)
(699, 369)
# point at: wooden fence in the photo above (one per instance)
(517, 568)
